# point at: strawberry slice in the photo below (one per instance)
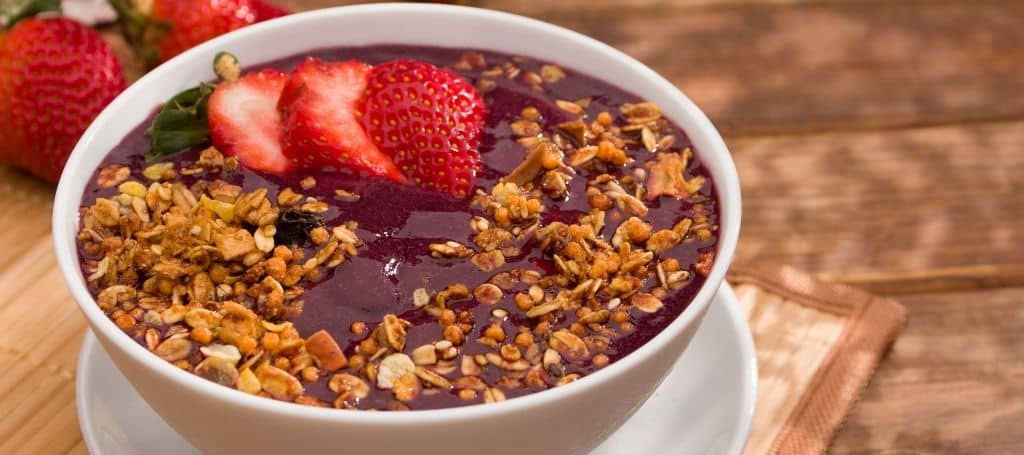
(429, 121)
(318, 120)
(244, 121)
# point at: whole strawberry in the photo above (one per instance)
(161, 29)
(428, 120)
(56, 75)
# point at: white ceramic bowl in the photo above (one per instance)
(566, 420)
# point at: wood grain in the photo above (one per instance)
(943, 279)
(884, 201)
(953, 383)
(766, 69)
(878, 142)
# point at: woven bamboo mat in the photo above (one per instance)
(817, 344)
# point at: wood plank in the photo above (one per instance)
(953, 383)
(948, 279)
(884, 201)
(24, 213)
(816, 67)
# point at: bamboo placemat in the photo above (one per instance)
(817, 344)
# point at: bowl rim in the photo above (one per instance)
(67, 202)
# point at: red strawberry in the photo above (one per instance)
(166, 28)
(56, 75)
(266, 11)
(428, 120)
(318, 119)
(244, 121)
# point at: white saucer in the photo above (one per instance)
(703, 408)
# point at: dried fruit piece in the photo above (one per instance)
(325, 349)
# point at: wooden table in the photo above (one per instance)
(879, 143)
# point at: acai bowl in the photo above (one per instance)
(495, 282)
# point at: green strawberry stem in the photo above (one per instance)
(181, 124)
(12, 11)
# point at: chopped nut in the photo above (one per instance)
(201, 317)
(450, 249)
(493, 395)
(234, 243)
(469, 367)
(424, 355)
(392, 368)
(217, 370)
(704, 262)
(570, 107)
(420, 298)
(346, 196)
(248, 382)
(488, 261)
(432, 378)
(174, 349)
(112, 175)
(488, 294)
(279, 383)
(114, 295)
(264, 238)
(159, 171)
(640, 113)
(667, 176)
(393, 330)
(567, 379)
(491, 239)
(570, 346)
(625, 201)
(551, 73)
(223, 352)
(308, 182)
(347, 384)
(575, 130)
(552, 363)
(646, 302)
(541, 310)
(406, 387)
(649, 140)
(524, 173)
(663, 240)
(344, 234)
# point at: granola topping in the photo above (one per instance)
(591, 227)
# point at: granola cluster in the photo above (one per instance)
(207, 276)
(210, 277)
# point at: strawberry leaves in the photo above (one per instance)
(12, 11)
(181, 124)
